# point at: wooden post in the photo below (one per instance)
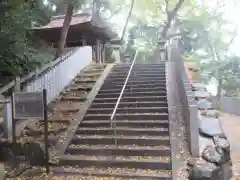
(101, 53)
(83, 41)
(98, 51)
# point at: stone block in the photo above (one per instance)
(203, 170)
(201, 94)
(226, 170)
(210, 113)
(210, 154)
(203, 143)
(198, 86)
(222, 146)
(210, 127)
(204, 104)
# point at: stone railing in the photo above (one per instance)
(209, 147)
(189, 108)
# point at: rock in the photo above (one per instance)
(198, 86)
(192, 161)
(204, 104)
(34, 153)
(210, 113)
(226, 170)
(201, 94)
(222, 145)
(210, 127)
(204, 170)
(211, 155)
(52, 139)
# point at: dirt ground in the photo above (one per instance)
(231, 127)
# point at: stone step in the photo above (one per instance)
(113, 150)
(128, 110)
(115, 161)
(65, 107)
(129, 94)
(128, 86)
(81, 81)
(141, 69)
(136, 82)
(112, 173)
(79, 87)
(130, 105)
(132, 89)
(160, 64)
(121, 140)
(137, 78)
(74, 98)
(143, 75)
(90, 75)
(126, 123)
(129, 116)
(124, 131)
(131, 99)
(136, 74)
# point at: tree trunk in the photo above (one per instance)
(170, 17)
(219, 90)
(64, 31)
(126, 23)
(96, 10)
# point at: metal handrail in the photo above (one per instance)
(120, 96)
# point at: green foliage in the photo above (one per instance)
(17, 54)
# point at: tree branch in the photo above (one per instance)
(129, 15)
(170, 17)
(117, 11)
(166, 6)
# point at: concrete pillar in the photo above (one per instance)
(162, 50)
(104, 53)
(7, 119)
(83, 42)
(98, 51)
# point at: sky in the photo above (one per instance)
(233, 14)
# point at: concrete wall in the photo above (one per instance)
(231, 105)
(58, 77)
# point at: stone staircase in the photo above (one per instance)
(142, 149)
(64, 108)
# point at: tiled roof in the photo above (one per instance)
(58, 22)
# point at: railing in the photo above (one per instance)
(55, 77)
(38, 72)
(112, 120)
(60, 76)
(7, 89)
(189, 108)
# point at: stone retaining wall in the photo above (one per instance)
(209, 147)
(214, 161)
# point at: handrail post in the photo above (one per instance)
(119, 98)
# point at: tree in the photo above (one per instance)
(211, 47)
(64, 31)
(18, 54)
(127, 20)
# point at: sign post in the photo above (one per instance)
(30, 105)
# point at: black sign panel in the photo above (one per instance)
(28, 105)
